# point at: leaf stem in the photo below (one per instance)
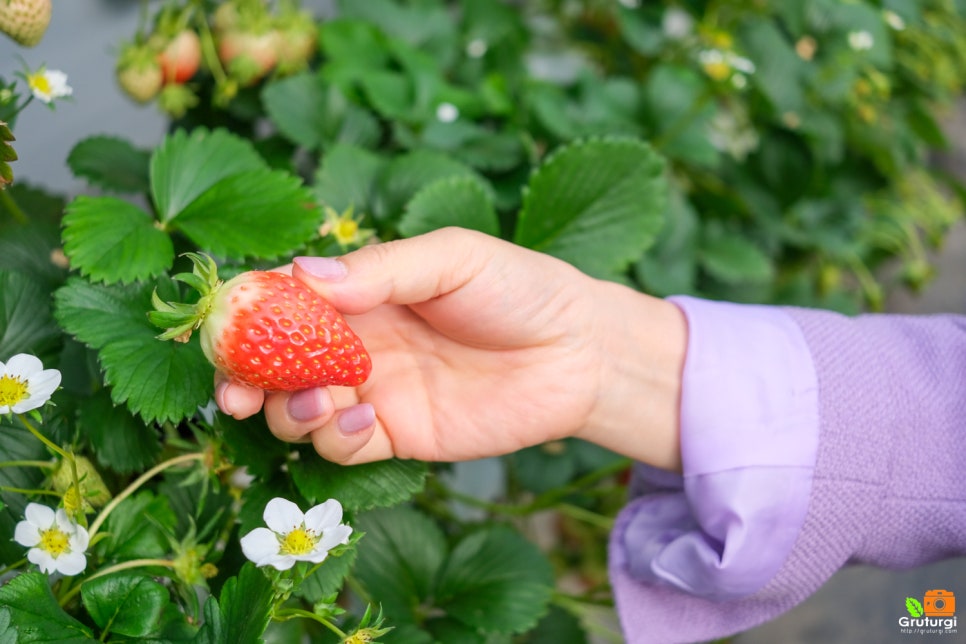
(290, 613)
(27, 492)
(137, 483)
(57, 449)
(124, 565)
(13, 566)
(11, 205)
(41, 464)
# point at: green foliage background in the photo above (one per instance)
(767, 152)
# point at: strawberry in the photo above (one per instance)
(25, 20)
(265, 329)
(297, 41)
(248, 55)
(180, 57)
(138, 72)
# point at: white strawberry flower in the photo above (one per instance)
(25, 384)
(292, 536)
(56, 543)
(48, 84)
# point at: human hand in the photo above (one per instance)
(480, 348)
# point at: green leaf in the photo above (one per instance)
(252, 444)
(734, 260)
(246, 603)
(680, 107)
(597, 204)
(347, 177)
(256, 213)
(914, 607)
(120, 441)
(496, 581)
(36, 615)
(328, 579)
(8, 634)
(161, 381)
(458, 201)
(30, 247)
(110, 240)
(26, 323)
(16, 444)
(137, 528)
(125, 603)
(406, 175)
(111, 163)
(357, 487)
(670, 267)
(312, 114)
(187, 165)
(399, 558)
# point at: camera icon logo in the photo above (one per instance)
(939, 603)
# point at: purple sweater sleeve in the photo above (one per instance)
(827, 440)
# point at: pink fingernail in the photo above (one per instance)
(329, 269)
(357, 418)
(220, 397)
(306, 404)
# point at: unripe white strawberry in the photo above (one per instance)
(25, 20)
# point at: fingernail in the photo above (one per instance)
(324, 268)
(220, 398)
(306, 404)
(357, 418)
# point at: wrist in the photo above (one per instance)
(642, 349)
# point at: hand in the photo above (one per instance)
(479, 348)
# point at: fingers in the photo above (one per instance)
(348, 433)
(236, 399)
(403, 272)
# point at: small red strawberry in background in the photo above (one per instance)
(139, 73)
(25, 20)
(265, 329)
(248, 55)
(181, 57)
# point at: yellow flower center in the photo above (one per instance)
(55, 541)
(298, 542)
(346, 231)
(39, 83)
(717, 70)
(12, 390)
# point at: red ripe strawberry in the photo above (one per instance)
(25, 20)
(180, 57)
(265, 329)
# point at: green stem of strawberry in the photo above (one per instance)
(181, 319)
(210, 52)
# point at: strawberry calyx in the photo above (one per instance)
(179, 318)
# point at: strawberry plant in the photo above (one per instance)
(771, 154)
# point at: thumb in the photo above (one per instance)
(405, 271)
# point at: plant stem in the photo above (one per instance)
(57, 449)
(137, 483)
(124, 565)
(41, 464)
(289, 613)
(26, 492)
(13, 566)
(11, 205)
(581, 514)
